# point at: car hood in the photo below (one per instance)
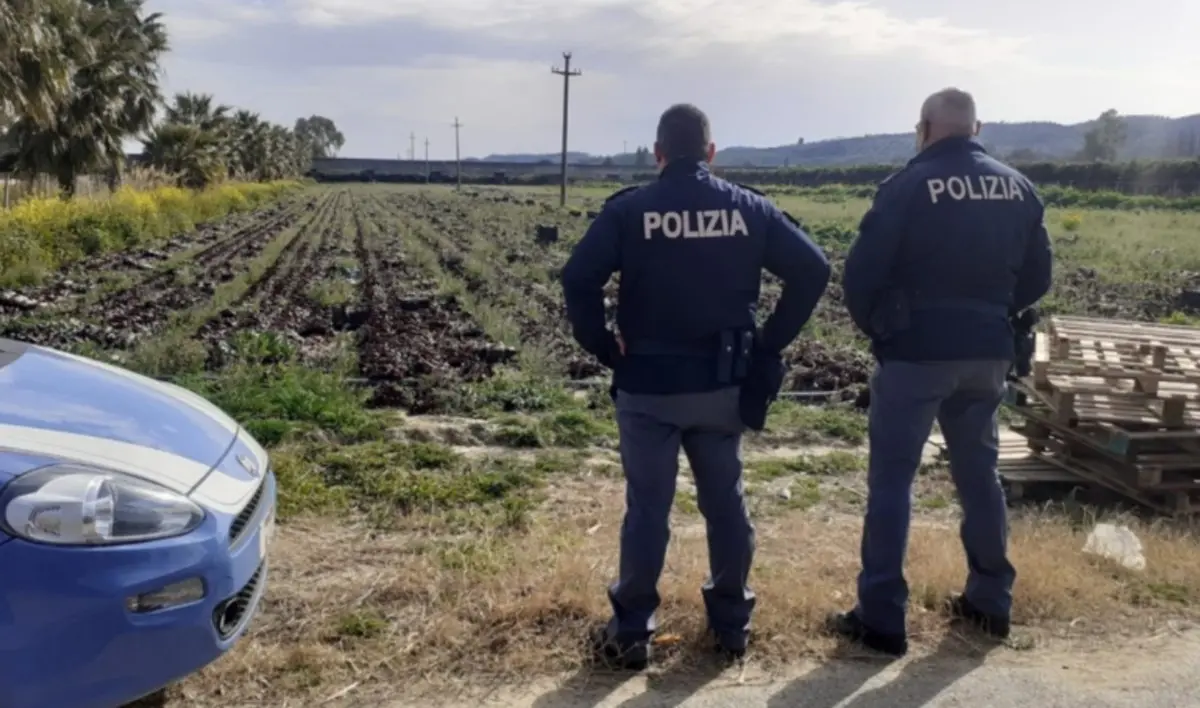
(56, 407)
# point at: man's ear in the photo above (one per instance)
(978, 127)
(658, 155)
(711, 153)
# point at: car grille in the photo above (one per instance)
(231, 615)
(241, 523)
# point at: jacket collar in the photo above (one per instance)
(948, 146)
(681, 168)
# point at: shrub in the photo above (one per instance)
(41, 235)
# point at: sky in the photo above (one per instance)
(767, 72)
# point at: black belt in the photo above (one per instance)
(957, 303)
(731, 348)
(658, 347)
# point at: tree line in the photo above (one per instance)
(80, 77)
(1156, 178)
(1094, 168)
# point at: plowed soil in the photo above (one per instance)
(283, 300)
(124, 317)
(381, 264)
(415, 345)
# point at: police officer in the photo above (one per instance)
(953, 246)
(689, 369)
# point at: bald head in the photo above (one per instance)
(949, 113)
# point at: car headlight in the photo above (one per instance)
(78, 505)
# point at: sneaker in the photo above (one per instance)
(961, 608)
(848, 626)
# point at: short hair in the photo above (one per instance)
(683, 133)
(952, 109)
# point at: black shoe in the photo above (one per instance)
(961, 608)
(728, 649)
(619, 656)
(849, 626)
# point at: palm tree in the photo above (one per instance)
(199, 110)
(113, 96)
(42, 47)
(249, 148)
(187, 151)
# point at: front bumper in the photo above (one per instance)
(69, 638)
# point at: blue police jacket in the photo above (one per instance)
(690, 249)
(953, 245)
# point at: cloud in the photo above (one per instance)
(673, 29)
(767, 71)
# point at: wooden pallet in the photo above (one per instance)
(1175, 502)
(1072, 405)
(1125, 442)
(1168, 482)
(1019, 473)
(1149, 472)
(1122, 331)
(1018, 467)
(1156, 365)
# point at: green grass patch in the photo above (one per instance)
(567, 428)
(816, 423)
(517, 392)
(387, 479)
(278, 402)
(834, 463)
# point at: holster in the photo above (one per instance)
(1024, 342)
(892, 315)
(760, 388)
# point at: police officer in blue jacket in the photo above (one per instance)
(952, 248)
(690, 248)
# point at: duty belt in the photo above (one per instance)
(731, 348)
(919, 302)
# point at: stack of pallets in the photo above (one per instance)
(1019, 466)
(1117, 403)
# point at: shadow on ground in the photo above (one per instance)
(918, 683)
(838, 682)
(664, 689)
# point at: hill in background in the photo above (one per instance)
(1148, 138)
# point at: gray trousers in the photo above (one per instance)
(708, 426)
(906, 397)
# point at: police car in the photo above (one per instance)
(135, 519)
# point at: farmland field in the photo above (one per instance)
(450, 490)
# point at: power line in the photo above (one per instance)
(426, 159)
(412, 146)
(566, 73)
(457, 160)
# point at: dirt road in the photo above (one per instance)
(1162, 671)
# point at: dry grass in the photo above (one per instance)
(423, 609)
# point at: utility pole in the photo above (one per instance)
(426, 160)
(457, 160)
(412, 146)
(566, 73)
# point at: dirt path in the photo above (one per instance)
(1161, 671)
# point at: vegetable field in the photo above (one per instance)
(449, 485)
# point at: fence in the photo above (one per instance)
(17, 188)
(14, 188)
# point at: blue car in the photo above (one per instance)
(135, 519)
